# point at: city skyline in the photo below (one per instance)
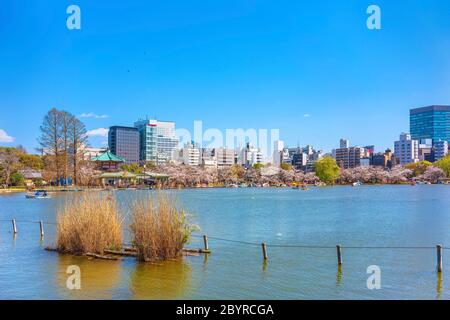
(99, 138)
(312, 70)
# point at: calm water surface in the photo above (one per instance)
(364, 216)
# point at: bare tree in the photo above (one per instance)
(50, 139)
(79, 141)
(9, 161)
(66, 120)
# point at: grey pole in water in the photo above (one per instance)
(41, 227)
(439, 257)
(14, 226)
(339, 254)
(205, 242)
(264, 249)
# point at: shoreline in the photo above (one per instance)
(84, 189)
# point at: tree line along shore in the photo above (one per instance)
(182, 176)
(63, 141)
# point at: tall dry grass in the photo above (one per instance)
(89, 224)
(159, 229)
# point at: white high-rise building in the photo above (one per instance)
(167, 140)
(309, 150)
(440, 149)
(344, 143)
(190, 155)
(278, 147)
(255, 156)
(250, 156)
(87, 153)
(208, 157)
(406, 150)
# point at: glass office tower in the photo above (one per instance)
(431, 122)
(149, 138)
(158, 140)
(124, 142)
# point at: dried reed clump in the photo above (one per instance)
(159, 229)
(89, 224)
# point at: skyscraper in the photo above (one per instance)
(158, 140)
(148, 151)
(124, 142)
(431, 122)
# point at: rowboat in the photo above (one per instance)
(40, 194)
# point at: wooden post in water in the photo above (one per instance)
(439, 258)
(264, 249)
(339, 254)
(14, 226)
(41, 227)
(206, 244)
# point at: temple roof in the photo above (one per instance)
(108, 156)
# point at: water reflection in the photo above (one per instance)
(164, 280)
(99, 278)
(205, 261)
(264, 266)
(439, 286)
(339, 276)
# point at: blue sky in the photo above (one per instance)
(230, 63)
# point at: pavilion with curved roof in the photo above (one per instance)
(108, 161)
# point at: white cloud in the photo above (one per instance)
(100, 132)
(93, 116)
(4, 137)
(306, 115)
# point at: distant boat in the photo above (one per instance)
(40, 194)
(303, 187)
(357, 184)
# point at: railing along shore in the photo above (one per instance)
(206, 249)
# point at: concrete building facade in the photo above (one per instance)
(406, 150)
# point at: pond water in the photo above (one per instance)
(301, 229)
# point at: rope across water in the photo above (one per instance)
(275, 245)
